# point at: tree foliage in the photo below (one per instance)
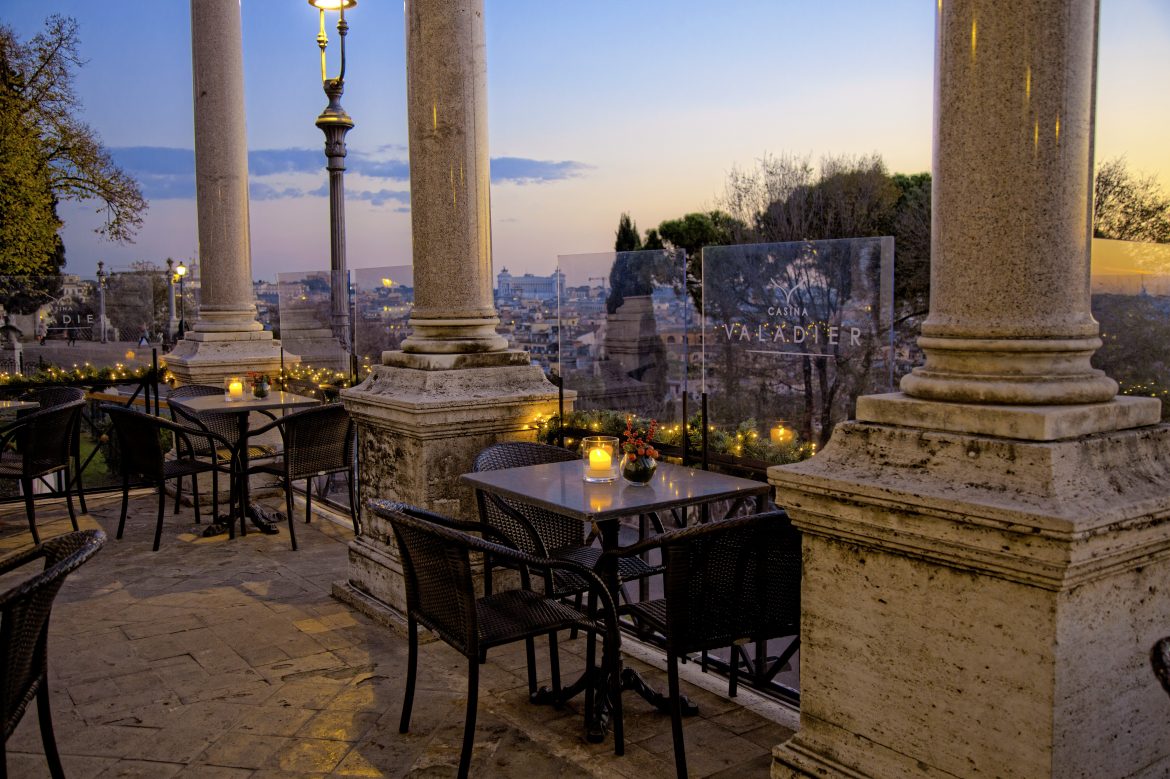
(626, 238)
(1129, 207)
(47, 154)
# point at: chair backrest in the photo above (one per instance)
(140, 447)
(45, 437)
(437, 570)
(318, 440)
(24, 619)
(226, 426)
(554, 531)
(731, 580)
(51, 397)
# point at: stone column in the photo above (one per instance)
(984, 555)
(424, 414)
(446, 73)
(226, 338)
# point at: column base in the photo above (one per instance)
(980, 606)
(420, 424)
(209, 357)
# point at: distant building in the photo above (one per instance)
(528, 286)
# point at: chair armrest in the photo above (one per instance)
(11, 564)
(682, 534)
(277, 423)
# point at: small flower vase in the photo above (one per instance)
(260, 389)
(639, 470)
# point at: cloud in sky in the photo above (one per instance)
(167, 173)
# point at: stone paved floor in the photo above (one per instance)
(219, 658)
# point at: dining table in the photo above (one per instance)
(242, 408)
(561, 488)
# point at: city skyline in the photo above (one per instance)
(593, 112)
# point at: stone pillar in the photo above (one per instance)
(984, 556)
(446, 73)
(226, 338)
(424, 414)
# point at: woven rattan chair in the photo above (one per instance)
(542, 533)
(725, 583)
(440, 596)
(54, 397)
(224, 425)
(143, 455)
(38, 445)
(317, 441)
(24, 635)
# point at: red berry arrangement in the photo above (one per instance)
(638, 437)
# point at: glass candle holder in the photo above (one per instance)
(233, 389)
(602, 457)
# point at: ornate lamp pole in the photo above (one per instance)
(172, 323)
(181, 272)
(335, 123)
(101, 283)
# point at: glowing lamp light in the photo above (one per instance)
(600, 460)
(332, 5)
(781, 435)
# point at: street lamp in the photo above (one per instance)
(101, 282)
(181, 272)
(335, 123)
(172, 323)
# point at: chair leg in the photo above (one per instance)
(680, 754)
(178, 492)
(733, 673)
(308, 500)
(195, 495)
(125, 504)
(614, 653)
(69, 501)
(214, 495)
(353, 506)
(469, 722)
(50, 743)
(530, 655)
(77, 465)
(554, 663)
(30, 508)
(162, 505)
(288, 505)
(411, 670)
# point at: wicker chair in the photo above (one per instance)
(55, 397)
(725, 583)
(143, 455)
(440, 596)
(42, 443)
(225, 426)
(544, 533)
(24, 635)
(317, 441)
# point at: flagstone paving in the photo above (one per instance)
(228, 658)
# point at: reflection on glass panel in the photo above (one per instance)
(622, 341)
(383, 300)
(303, 319)
(793, 334)
(1131, 301)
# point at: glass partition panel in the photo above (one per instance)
(622, 341)
(793, 333)
(1131, 300)
(383, 299)
(302, 320)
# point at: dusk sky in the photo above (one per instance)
(595, 108)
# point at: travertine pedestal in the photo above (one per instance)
(981, 606)
(421, 422)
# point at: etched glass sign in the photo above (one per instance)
(794, 332)
(383, 300)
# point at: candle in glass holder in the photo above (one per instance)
(235, 390)
(780, 435)
(600, 463)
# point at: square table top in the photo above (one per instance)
(216, 403)
(561, 487)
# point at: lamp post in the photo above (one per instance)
(101, 283)
(335, 123)
(181, 272)
(172, 323)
